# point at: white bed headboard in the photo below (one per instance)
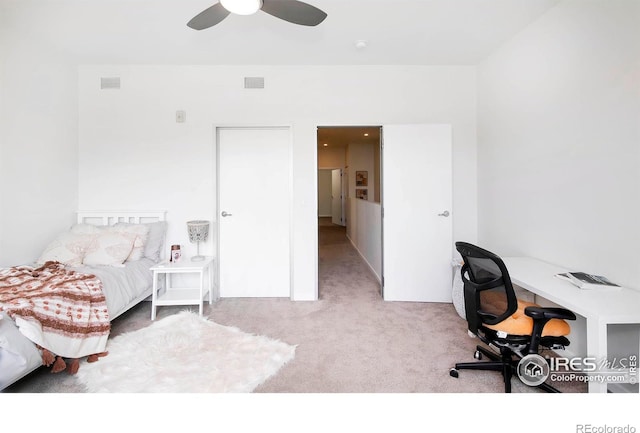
(108, 218)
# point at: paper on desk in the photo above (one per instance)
(587, 281)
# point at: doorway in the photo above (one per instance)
(408, 244)
(349, 196)
(331, 195)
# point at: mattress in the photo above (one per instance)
(123, 288)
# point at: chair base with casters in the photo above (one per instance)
(514, 329)
(505, 362)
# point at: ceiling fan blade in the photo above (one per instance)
(294, 11)
(208, 17)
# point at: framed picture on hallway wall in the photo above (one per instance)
(362, 193)
(362, 178)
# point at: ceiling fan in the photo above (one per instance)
(293, 11)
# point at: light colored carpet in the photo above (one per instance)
(185, 353)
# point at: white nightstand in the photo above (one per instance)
(182, 296)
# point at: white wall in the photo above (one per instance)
(133, 154)
(364, 230)
(331, 157)
(3, 55)
(558, 147)
(361, 158)
(38, 142)
(558, 141)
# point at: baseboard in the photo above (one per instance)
(375, 274)
(325, 216)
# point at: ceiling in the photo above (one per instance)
(397, 32)
(342, 136)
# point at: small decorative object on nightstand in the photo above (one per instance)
(198, 232)
(175, 253)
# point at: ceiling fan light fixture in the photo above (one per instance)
(242, 7)
(292, 11)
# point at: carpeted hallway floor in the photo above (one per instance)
(349, 341)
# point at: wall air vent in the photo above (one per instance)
(254, 82)
(109, 83)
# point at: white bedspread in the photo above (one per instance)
(17, 353)
(121, 285)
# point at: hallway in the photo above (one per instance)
(342, 273)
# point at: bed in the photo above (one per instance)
(125, 278)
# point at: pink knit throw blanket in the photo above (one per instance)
(58, 309)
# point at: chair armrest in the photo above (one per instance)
(547, 313)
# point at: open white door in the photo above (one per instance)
(254, 195)
(417, 224)
(337, 198)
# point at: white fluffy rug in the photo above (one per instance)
(185, 353)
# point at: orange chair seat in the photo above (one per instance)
(521, 324)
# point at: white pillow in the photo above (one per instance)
(68, 248)
(155, 240)
(138, 233)
(157, 234)
(108, 248)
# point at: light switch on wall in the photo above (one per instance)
(181, 116)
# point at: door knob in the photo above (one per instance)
(225, 214)
(444, 214)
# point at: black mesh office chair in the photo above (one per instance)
(513, 328)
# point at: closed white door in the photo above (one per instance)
(417, 222)
(336, 197)
(254, 192)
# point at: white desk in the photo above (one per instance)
(600, 308)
